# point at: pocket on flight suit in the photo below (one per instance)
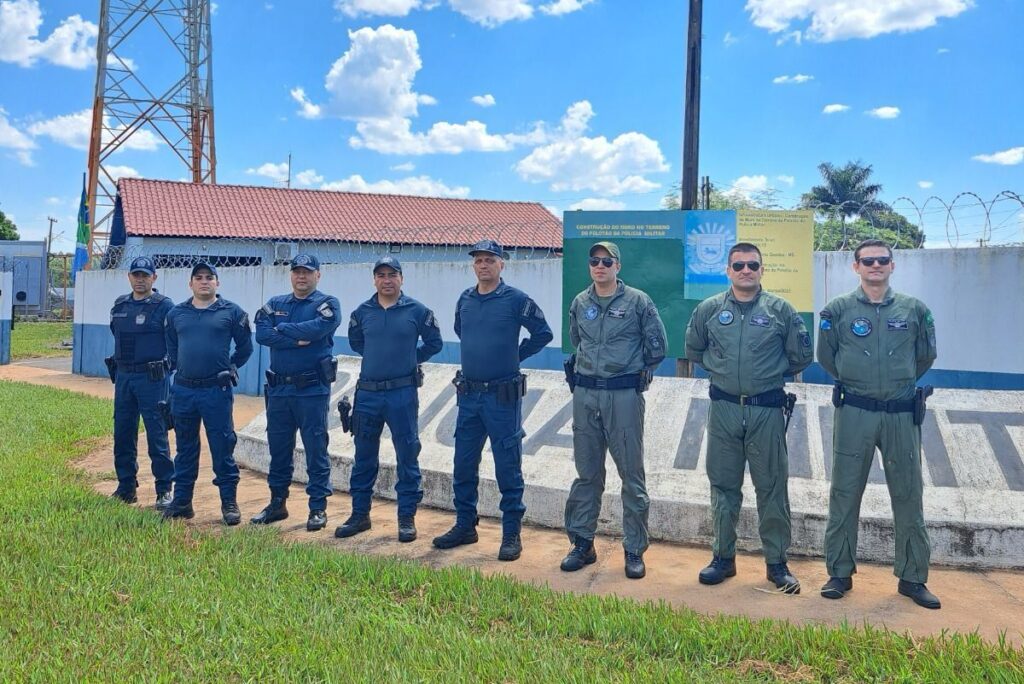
(900, 486)
(763, 470)
(848, 463)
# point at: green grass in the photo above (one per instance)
(97, 591)
(33, 340)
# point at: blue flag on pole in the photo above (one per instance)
(82, 241)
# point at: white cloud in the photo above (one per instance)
(575, 162)
(213, 8)
(483, 100)
(406, 167)
(426, 100)
(491, 13)
(924, 185)
(395, 136)
(305, 179)
(835, 108)
(387, 8)
(74, 131)
(786, 180)
(830, 20)
(795, 36)
(1010, 157)
(308, 110)
(560, 7)
(748, 185)
(729, 40)
(884, 112)
(795, 78)
(598, 204)
(413, 185)
(13, 139)
(275, 172)
(942, 51)
(54, 201)
(71, 44)
(116, 172)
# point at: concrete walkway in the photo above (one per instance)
(989, 602)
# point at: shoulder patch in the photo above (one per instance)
(244, 320)
(325, 309)
(431, 320)
(826, 320)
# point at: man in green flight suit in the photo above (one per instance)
(876, 343)
(619, 340)
(747, 340)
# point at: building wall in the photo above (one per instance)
(6, 304)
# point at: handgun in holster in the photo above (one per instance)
(460, 382)
(157, 370)
(419, 375)
(646, 378)
(228, 378)
(510, 392)
(165, 411)
(569, 366)
(787, 408)
(111, 364)
(921, 402)
(329, 370)
(837, 395)
(345, 414)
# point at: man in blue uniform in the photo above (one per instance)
(299, 329)
(199, 334)
(490, 390)
(139, 372)
(385, 330)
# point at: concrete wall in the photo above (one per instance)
(6, 303)
(973, 293)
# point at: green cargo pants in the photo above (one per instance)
(754, 435)
(857, 433)
(608, 421)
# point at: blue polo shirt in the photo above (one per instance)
(199, 340)
(387, 338)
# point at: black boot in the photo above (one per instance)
(125, 493)
(356, 523)
(316, 521)
(779, 574)
(920, 594)
(457, 536)
(582, 553)
(635, 568)
(275, 510)
(163, 500)
(836, 587)
(179, 509)
(406, 528)
(718, 570)
(511, 547)
(229, 511)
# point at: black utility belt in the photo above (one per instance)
(136, 367)
(301, 380)
(198, 383)
(775, 398)
(508, 390)
(384, 385)
(869, 404)
(619, 382)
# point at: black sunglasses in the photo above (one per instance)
(752, 265)
(604, 261)
(870, 261)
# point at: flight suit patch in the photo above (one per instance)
(725, 317)
(591, 313)
(616, 313)
(760, 320)
(897, 324)
(861, 327)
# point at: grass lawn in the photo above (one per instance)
(94, 590)
(32, 340)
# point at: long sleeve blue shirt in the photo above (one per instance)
(199, 340)
(285, 320)
(387, 338)
(138, 327)
(488, 326)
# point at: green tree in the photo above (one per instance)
(835, 234)
(720, 200)
(8, 231)
(845, 192)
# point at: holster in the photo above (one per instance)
(228, 378)
(329, 370)
(569, 366)
(345, 414)
(165, 411)
(157, 370)
(646, 378)
(837, 395)
(511, 391)
(461, 387)
(787, 408)
(921, 402)
(111, 368)
(419, 375)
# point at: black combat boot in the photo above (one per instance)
(582, 553)
(836, 587)
(718, 570)
(406, 528)
(125, 493)
(779, 574)
(316, 521)
(275, 510)
(920, 594)
(163, 500)
(356, 523)
(457, 536)
(635, 568)
(511, 547)
(179, 509)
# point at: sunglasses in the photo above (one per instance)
(752, 265)
(607, 262)
(870, 261)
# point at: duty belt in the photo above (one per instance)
(134, 367)
(775, 398)
(631, 381)
(383, 385)
(869, 404)
(492, 386)
(301, 380)
(198, 383)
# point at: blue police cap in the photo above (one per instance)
(389, 261)
(208, 266)
(488, 246)
(143, 264)
(306, 261)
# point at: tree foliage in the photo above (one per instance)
(8, 231)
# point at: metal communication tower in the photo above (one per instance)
(167, 103)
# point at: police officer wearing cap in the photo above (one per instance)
(490, 388)
(200, 332)
(139, 372)
(619, 340)
(299, 329)
(385, 330)
(877, 343)
(747, 340)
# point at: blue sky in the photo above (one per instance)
(572, 103)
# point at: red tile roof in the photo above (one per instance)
(171, 209)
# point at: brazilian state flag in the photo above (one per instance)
(82, 242)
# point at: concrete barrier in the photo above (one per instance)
(973, 469)
(6, 309)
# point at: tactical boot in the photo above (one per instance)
(125, 494)
(920, 594)
(836, 587)
(784, 580)
(718, 570)
(406, 528)
(275, 510)
(163, 500)
(635, 568)
(582, 553)
(511, 547)
(356, 523)
(229, 511)
(457, 536)
(316, 521)
(179, 509)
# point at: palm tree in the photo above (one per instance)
(845, 192)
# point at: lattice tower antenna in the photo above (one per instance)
(167, 104)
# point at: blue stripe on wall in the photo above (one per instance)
(94, 342)
(5, 341)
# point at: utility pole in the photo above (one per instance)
(289, 183)
(49, 240)
(691, 124)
